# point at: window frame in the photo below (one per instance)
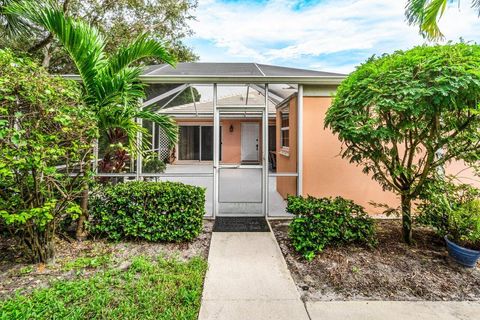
(200, 141)
(284, 111)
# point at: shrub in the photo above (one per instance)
(464, 225)
(319, 222)
(154, 211)
(152, 164)
(440, 198)
(45, 133)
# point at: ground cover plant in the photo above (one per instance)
(404, 115)
(153, 211)
(161, 289)
(464, 225)
(76, 260)
(321, 222)
(453, 210)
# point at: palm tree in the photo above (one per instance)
(111, 83)
(426, 14)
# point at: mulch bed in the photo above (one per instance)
(391, 271)
(16, 274)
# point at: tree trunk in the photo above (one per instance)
(406, 219)
(39, 242)
(47, 55)
(81, 233)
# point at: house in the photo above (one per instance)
(252, 134)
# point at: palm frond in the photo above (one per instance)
(84, 43)
(142, 47)
(476, 5)
(165, 122)
(13, 25)
(425, 14)
(414, 11)
(123, 88)
(115, 117)
(433, 12)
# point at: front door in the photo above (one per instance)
(250, 141)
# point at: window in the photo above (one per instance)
(189, 143)
(285, 127)
(195, 143)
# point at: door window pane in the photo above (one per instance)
(207, 143)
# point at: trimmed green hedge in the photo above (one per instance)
(154, 211)
(319, 222)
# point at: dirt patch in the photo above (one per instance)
(84, 258)
(391, 271)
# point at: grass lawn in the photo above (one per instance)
(147, 289)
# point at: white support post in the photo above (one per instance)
(216, 149)
(153, 136)
(300, 140)
(264, 158)
(139, 156)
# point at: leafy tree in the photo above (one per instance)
(112, 90)
(395, 112)
(122, 20)
(426, 13)
(45, 135)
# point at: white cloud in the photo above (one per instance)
(233, 31)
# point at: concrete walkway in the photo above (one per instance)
(248, 278)
(393, 310)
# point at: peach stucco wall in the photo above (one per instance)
(325, 173)
(462, 173)
(231, 141)
(287, 158)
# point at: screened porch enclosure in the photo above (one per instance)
(230, 134)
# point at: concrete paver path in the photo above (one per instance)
(248, 278)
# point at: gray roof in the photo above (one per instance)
(222, 72)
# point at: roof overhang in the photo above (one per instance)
(336, 80)
(199, 79)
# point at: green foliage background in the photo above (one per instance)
(45, 134)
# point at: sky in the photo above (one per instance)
(326, 35)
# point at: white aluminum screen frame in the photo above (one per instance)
(216, 133)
